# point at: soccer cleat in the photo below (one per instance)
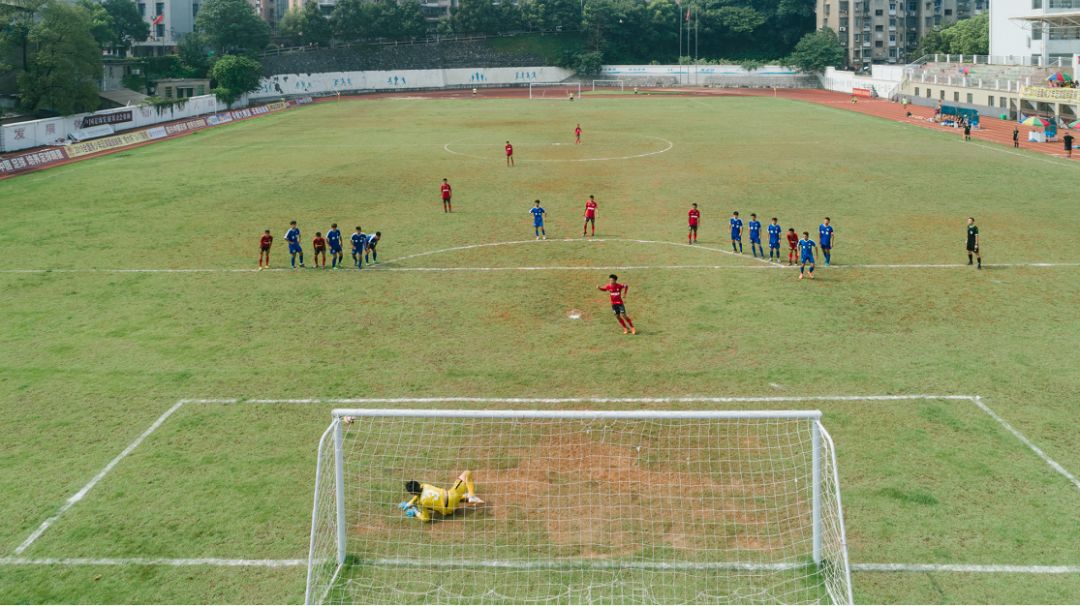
(633, 330)
(625, 331)
(474, 500)
(800, 275)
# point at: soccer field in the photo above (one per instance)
(160, 426)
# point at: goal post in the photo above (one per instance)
(554, 90)
(619, 84)
(577, 506)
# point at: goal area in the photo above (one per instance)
(577, 507)
(601, 84)
(554, 90)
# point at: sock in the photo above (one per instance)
(801, 268)
(811, 269)
(629, 321)
(740, 246)
(828, 256)
(621, 322)
(375, 256)
(733, 247)
(301, 258)
(294, 260)
(969, 258)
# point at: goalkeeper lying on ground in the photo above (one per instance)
(428, 499)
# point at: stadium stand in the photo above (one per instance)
(405, 56)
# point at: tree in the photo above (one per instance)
(314, 28)
(194, 54)
(231, 26)
(816, 51)
(15, 26)
(349, 20)
(127, 24)
(969, 36)
(486, 17)
(551, 14)
(234, 76)
(64, 62)
(411, 22)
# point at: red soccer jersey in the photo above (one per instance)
(445, 187)
(318, 243)
(792, 240)
(265, 241)
(509, 149)
(590, 209)
(694, 214)
(577, 131)
(616, 291)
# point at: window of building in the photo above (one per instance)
(929, 94)
(879, 13)
(879, 44)
(160, 33)
(941, 96)
(916, 91)
(990, 101)
(194, 9)
(142, 9)
(159, 8)
(200, 90)
(879, 28)
(1036, 31)
(948, 12)
(168, 92)
(1002, 102)
(970, 98)
(1036, 4)
(956, 97)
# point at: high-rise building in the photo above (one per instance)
(888, 31)
(1036, 32)
(169, 21)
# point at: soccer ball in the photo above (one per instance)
(348, 420)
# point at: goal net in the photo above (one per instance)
(554, 90)
(619, 84)
(578, 507)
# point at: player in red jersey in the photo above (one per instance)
(509, 154)
(695, 217)
(793, 246)
(319, 244)
(446, 193)
(577, 134)
(617, 291)
(590, 216)
(264, 248)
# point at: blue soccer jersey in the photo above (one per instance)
(806, 250)
(333, 238)
(825, 233)
(736, 228)
(755, 231)
(358, 242)
(293, 235)
(538, 215)
(774, 235)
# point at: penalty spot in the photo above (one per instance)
(573, 314)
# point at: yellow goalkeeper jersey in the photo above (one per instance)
(440, 500)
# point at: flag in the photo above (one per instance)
(158, 20)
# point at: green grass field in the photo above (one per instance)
(89, 359)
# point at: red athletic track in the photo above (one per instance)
(992, 130)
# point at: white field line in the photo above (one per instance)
(78, 496)
(498, 156)
(1019, 436)
(529, 268)
(541, 564)
(226, 562)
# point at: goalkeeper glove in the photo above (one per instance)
(403, 505)
(412, 512)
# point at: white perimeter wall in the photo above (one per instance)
(885, 79)
(405, 79)
(645, 71)
(55, 131)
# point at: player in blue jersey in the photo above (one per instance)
(736, 232)
(774, 239)
(372, 242)
(538, 213)
(293, 238)
(333, 238)
(806, 254)
(359, 247)
(827, 239)
(755, 236)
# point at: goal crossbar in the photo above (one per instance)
(578, 414)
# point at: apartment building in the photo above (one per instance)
(888, 31)
(1035, 31)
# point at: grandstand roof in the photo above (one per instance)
(1069, 19)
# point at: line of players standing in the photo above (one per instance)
(364, 247)
(798, 248)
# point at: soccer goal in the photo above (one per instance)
(577, 507)
(554, 90)
(619, 84)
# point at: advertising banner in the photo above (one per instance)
(100, 119)
(89, 147)
(16, 164)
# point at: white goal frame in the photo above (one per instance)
(821, 445)
(620, 83)
(573, 87)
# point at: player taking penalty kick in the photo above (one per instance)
(428, 500)
(617, 291)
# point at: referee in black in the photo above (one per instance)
(973, 242)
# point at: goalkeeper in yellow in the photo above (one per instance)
(427, 499)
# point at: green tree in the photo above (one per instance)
(816, 51)
(486, 17)
(968, 36)
(551, 14)
(231, 26)
(15, 26)
(314, 27)
(194, 54)
(411, 22)
(127, 24)
(233, 76)
(64, 62)
(349, 20)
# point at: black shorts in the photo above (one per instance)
(972, 247)
(320, 249)
(265, 249)
(618, 308)
(693, 228)
(590, 220)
